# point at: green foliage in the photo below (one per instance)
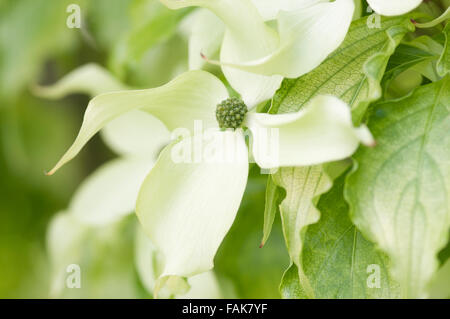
(352, 72)
(443, 66)
(27, 197)
(29, 30)
(337, 260)
(303, 185)
(333, 254)
(103, 254)
(399, 192)
(152, 26)
(274, 195)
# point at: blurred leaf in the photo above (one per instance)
(102, 254)
(109, 20)
(160, 64)
(155, 29)
(28, 126)
(403, 84)
(28, 144)
(440, 285)
(406, 56)
(408, 64)
(30, 32)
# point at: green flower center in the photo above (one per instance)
(230, 113)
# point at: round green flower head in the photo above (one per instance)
(230, 113)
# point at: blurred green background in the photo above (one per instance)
(140, 42)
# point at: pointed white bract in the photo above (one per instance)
(137, 136)
(306, 37)
(187, 208)
(136, 133)
(90, 79)
(189, 97)
(253, 88)
(393, 7)
(255, 56)
(320, 132)
(147, 265)
(110, 193)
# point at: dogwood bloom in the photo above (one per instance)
(265, 41)
(186, 207)
(393, 7)
(99, 208)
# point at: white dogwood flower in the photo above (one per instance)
(108, 196)
(265, 41)
(393, 7)
(187, 207)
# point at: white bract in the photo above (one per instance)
(263, 41)
(107, 260)
(96, 213)
(187, 207)
(393, 7)
(136, 136)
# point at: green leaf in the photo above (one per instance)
(427, 68)
(443, 66)
(353, 72)
(290, 287)
(408, 64)
(337, 261)
(30, 32)
(157, 28)
(303, 185)
(402, 84)
(409, 55)
(108, 21)
(399, 192)
(274, 195)
(405, 56)
(102, 254)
